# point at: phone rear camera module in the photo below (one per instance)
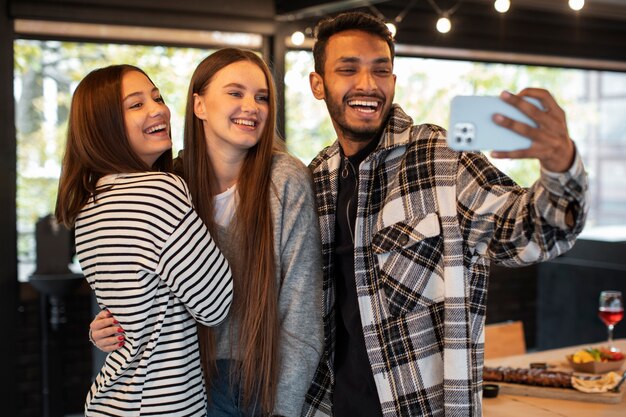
(464, 133)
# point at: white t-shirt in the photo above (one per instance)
(225, 205)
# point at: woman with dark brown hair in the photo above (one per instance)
(258, 202)
(143, 249)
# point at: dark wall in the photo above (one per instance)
(558, 300)
(8, 247)
(66, 370)
(512, 295)
(568, 291)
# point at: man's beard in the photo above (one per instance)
(363, 133)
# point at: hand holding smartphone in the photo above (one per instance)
(472, 128)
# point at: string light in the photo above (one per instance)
(502, 6)
(392, 25)
(297, 38)
(444, 25)
(576, 4)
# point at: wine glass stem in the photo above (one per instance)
(610, 328)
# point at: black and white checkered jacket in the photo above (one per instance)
(429, 221)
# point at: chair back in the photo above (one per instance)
(504, 339)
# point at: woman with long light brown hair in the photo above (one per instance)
(258, 202)
(143, 249)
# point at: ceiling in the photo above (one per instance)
(540, 27)
(288, 9)
(531, 28)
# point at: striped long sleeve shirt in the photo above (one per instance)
(152, 263)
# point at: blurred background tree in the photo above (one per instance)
(46, 73)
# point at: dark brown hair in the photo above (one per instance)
(97, 144)
(255, 293)
(328, 27)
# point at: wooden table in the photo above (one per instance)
(520, 406)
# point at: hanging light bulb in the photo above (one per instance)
(576, 4)
(443, 24)
(502, 6)
(392, 28)
(297, 38)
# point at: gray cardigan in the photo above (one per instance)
(299, 277)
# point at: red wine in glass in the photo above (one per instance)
(611, 312)
(611, 317)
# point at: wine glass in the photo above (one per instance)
(611, 312)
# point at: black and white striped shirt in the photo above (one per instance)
(154, 266)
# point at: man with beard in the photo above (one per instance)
(409, 227)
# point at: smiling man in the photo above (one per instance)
(356, 80)
(409, 228)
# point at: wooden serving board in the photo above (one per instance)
(559, 393)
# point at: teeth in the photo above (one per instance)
(157, 127)
(244, 122)
(363, 103)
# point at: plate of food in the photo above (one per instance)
(596, 360)
(610, 381)
(562, 385)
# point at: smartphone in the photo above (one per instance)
(472, 127)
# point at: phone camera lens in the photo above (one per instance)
(459, 139)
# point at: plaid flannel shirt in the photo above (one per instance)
(429, 220)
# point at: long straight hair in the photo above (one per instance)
(255, 293)
(97, 144)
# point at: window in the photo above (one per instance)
(594, 101)
(46, 73)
